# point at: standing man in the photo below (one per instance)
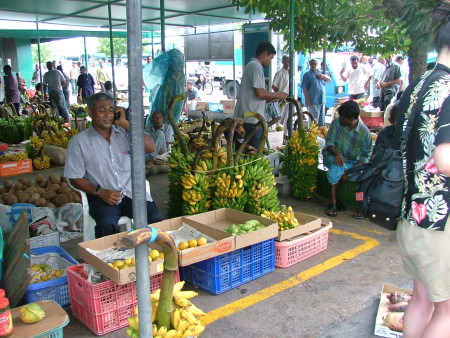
(105, 175)
(193, 95)
(252, 95)
(358, 79)
(389, 83)
(102, 76)
(404, 71)
(378, 69)
(85, 85)
(348, 144)
(55, 81)
(313, 85)
(11, 89)
(281, 84)
(73, 76)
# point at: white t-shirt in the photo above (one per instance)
(247, 101)
(281, 80)
(356, 79)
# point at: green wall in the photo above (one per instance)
(25, 59)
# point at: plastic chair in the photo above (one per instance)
(89, 222)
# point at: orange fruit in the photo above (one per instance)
(192, 243)
(201, 241)
(161, 255)
(183, 245)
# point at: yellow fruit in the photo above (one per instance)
(201, 241)
(58, 273)
(183, 245)
(35, 268)
(31, 313)
(154, 254)
(117, 264)
(192, 243)
(123, 267)
(161, 255)
(127, 261)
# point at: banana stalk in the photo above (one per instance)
(261, 119)
(246, 140)
(140, 236)
(224, 125)
(230, 159)
(183, 144)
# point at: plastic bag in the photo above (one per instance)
(5, 224)
(166, 70)
(70, 214)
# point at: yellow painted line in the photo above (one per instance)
(243, 303)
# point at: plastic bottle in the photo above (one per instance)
(6, 324)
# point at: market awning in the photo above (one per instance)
(95, 13)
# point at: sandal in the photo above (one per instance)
(331, 211)
(340, 206)
(357, 215)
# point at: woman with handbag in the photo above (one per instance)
(423, 232)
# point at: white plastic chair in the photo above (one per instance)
(125, 222)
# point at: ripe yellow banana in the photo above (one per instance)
(188, 316)
(182, 325)
(182, 302)
(186, 294)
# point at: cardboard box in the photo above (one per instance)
(371, 113)
(119, 276)
(223, 218)
(224, 241)
(16, 168)
(228, 106)
(202, 106)
(380, 329)
(306, 222)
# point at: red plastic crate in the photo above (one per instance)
(106, 306)
(291, 252)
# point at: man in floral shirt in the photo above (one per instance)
(423, 232)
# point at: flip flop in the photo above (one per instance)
(340, 206)
(331, 211)
(357, 215)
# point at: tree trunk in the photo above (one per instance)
(417, 58)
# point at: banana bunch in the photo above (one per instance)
(285, 218)
(185, 125)
(19, 156)
(260, 185)
(222, 156)
(42, 162)
(184, 318)
(303, 151)
(179, 165)
(36, 142)
(228, 189)
(195, 193)
(58, 138)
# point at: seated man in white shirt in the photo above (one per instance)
(162, 134)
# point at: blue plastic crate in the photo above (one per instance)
(225, 272)
(55, 289)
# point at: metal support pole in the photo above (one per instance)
(111, 46)
(39, 60)
(163, 25)
(292, 60)
(86, 59)
(134, 49)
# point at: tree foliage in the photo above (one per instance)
(119, 46)
(46, 54)
(372, 26)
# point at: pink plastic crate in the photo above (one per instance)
(106, 306)
(291, 252)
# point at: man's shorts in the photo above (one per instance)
(335, 172)
(426, 257)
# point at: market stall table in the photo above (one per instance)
(52, 324)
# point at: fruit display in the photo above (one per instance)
(192, 243)
(13, 129)
(394, 306)
(31, 313)
(13, 156)
(210, 176)
(303, 151)
(285, 218)
(41, 162)
(244, 228)
(53, 192)
(44, 272)
(121, 264)
(184, 319)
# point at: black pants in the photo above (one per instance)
(386, 99)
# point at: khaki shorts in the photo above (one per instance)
(426, 257)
